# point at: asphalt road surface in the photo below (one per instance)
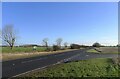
(19, 66)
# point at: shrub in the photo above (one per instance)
(62, 48)
(96, 45)
(55, 47)
(116, 61)
(48, 49)
(75, 46)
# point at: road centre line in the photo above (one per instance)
(39, 59)
(33, 60)
(46, 66)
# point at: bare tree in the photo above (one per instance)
(8, 35)
(65, 44)
(45, 42)
(59, 41)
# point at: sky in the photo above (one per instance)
(74, 22)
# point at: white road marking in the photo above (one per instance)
(33, 60)
(59, 54)
(47, 65)
(28, 72)
(39, 59)
(32, 70)
(13, 64)
(67, 59)
(55, 55)
(43, 67)
(87, 55)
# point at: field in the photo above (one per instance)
(84, 68)
(105, 50)
(22, 49)
(26, 52)
(92, 51)
(109, 49)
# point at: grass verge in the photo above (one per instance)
(101, 67)
(22, 49)
(92, 51)
(13, 56)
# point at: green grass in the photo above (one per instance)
(26, 52)
(92, 51)
(22, 49)
(85, 68)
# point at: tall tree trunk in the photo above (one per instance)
(11, 47)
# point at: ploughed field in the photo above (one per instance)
(108, 49)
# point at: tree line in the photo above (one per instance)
(9, 37)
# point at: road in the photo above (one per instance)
(19, 66)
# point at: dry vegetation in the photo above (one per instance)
(116, 61)
(113, 50)
(12, 56)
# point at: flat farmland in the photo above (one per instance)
(108, 49)
(22, 49)
(26, 52)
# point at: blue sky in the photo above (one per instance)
(82, 23)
